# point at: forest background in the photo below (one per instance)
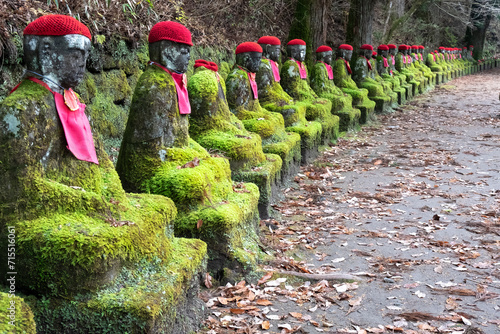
(120, 29)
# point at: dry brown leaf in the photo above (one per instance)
(265, 324)
(265, 278)
(263, 302)
(296, 315)
(222, 300)
(208, 280)
(199, 223)
(237, 310)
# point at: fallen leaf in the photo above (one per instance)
(265, 278)
(265, 324)
(208, 280)
(263, 302)
(237, 310)
(296, 315)
(199, 223)
(191, 164)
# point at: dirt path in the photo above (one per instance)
(412, 204)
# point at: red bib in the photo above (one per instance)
(74, 122)
(302, 69)
(276, 71)
(180, 81)
(329, 70)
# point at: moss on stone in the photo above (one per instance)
(148, 296)
(24, 322)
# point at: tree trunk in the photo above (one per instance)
(417, 4)
(310, 24)
(359, 26)
(480, 19)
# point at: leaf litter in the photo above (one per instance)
(403, 208)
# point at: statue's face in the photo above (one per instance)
(383, 53)
(348, 55)
(175, 56)
(272, 52)
(325, 57)
(392, 51)
(251, 61)
(297, 52)
(366, 53)
(61, 59)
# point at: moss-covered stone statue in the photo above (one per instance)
(272, 97)
(444, 64)
(435, 68)
(243, 101)
(385, 71)
(322, 83)
(213, 126)
(363, 76)
(418, 63)
(402, 78)
(387, 85)
(295, 81)
(158, 156)
(78, 236)
(342, 78)
(402, 67)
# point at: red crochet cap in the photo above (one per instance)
(441, 48)
(391, 46)
(296, 42)
(384, 47)
(170, 31)
(324, 48)
(57, 25)
(345, 47)
(248, 47)
(403, 47)
(464, 47)
(471, 46)
(421, 47)
(207, 64)
(414, 47)
(366, 47)
(374, 53)
(271, 40)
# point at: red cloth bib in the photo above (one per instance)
(329, 70)
(393, 60)
(253, 84)
(180, 81)
(347, 66)
(75, 125)
(404, 59)
(386, 63)
(369, 64)
(421, 58)
(302, 69)
(276, 71)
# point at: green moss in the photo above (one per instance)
(146, 296)
(23, 323)
(224, 69)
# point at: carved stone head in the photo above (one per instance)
(248, 56)
(296, 49)
(174, 56)
(325, 57)
(57, 47)
(366, 51)
(383, 52)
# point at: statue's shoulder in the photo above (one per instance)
(27, 92)
(203, 83)
(237, 74)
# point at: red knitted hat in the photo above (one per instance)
(403, 47)
(471, 46)
(57, 25)
(324, 48)
(441, 48)
(374, 53)
(384, 47)
(366, 47)
(414, 47)
(207, 64)
(271, 40)
(391, 46)
(345, 47)
(464, 47)
(421, 47)
(296, 42)
(248, 47)
(170, 31)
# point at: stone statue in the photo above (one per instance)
(213, 126)
(402, 78)
(62, 194)
(386, 73)
(435, 67)
(243, 101)
(295, 81)
(158, 156)
(322, 83)
(342, 78)
(430, 78)
(272, 97)
(363, 75)
(403, 67)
